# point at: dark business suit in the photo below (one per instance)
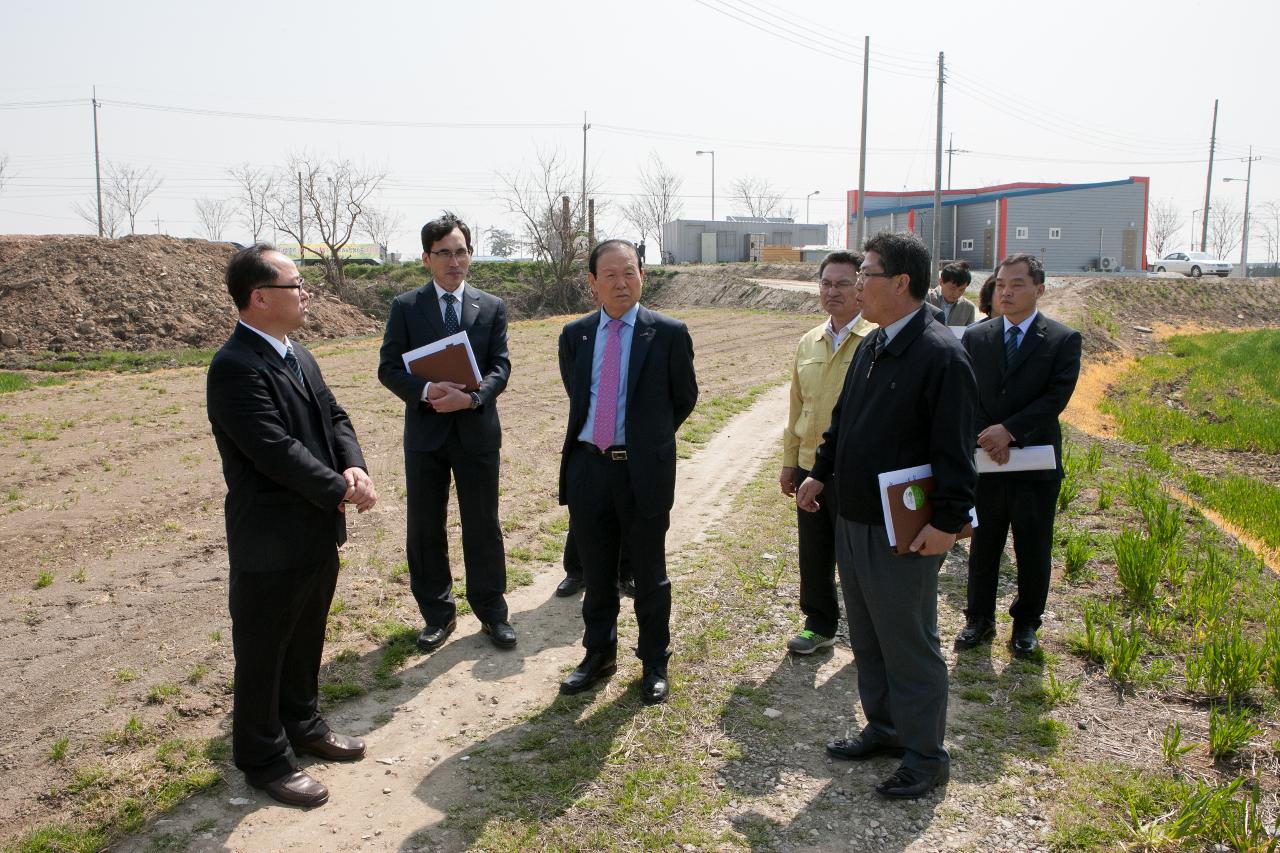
(611, 500)
(283, 446)
(465, 444)
(912, 405)
(1026, 395)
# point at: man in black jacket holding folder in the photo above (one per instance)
(908, 400)
(1027, 366)
(450, 432)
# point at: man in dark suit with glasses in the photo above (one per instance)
(292, 466)
(451, 433)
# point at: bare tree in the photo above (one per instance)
(334, 196)
(214, 215)
(1164, 221)
(1268, 218)
(757, 197)
(547, 199)
(4, 169)
(112, 214)
(380, 225)
(1225, 220)
(658, 201)
(255, 188)
(130, 187)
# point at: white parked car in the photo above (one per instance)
(1194, 264)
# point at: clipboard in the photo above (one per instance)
(904, 498)
(449, 359)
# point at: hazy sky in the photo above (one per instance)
(1080, 91)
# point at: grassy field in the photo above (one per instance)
(1219, 391)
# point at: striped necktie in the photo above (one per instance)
(292, 361)
(1011, 344)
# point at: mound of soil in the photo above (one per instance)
(714, 287)
(85, 294)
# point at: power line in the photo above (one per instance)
(432, 125)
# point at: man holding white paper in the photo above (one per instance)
(1027, 366)
(907, 400)
(450, 432)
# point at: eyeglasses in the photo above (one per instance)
(836, 285)
(863, 276)
(445, 254)
(297, 284)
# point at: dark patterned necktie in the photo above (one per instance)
(292, 361)
(450, 315)
(1011, 345)
(877, 346)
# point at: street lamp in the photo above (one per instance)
(1244, 240)
(713, 182)
(1194, 213)
(806, 205)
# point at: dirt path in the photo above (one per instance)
(460, 694)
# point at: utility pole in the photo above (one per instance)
(158, 223)
(585, 128)
(1208, 181)
(951, 149)
(713, 182)
(862, 146)
(97, 163)
(1248, 183)
(934, 229)
(591, 223)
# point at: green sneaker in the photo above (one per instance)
(807, 642)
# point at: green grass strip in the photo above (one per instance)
(1219, 390)
(1251, 505)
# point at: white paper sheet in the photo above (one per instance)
(437, 346)
(1037, 457)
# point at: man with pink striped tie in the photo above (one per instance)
(629, 375)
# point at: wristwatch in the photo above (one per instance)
(475, 399)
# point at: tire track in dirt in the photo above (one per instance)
(466, 692)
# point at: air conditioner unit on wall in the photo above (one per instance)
(1108, 264)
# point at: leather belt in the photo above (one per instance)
(614, 454)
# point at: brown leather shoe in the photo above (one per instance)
(333, 747)
(297, 789)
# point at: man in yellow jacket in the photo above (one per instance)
(822, 359)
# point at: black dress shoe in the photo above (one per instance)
(297, 789)
(627, 588)
(433, 637)
(569, 586)
(1024, 641)
(332, 747)
(975, 633)
(860, 748)
(501, 633)
(654, 686)
(597, 665)
(909, 784)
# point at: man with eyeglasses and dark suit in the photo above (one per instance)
(292, 466)
(450, 433)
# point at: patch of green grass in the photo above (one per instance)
(1251, 505)
(10, 381)
(58, 750)
(125, 675)
(338, 691)
(197, 674)
(711, 415)
(161, 692)
(1219, 390)
(119, 361)
(42, 580)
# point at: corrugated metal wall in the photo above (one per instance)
(683, 237)
(1082, 215)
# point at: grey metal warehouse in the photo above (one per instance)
(1072, 227)
(708, 241)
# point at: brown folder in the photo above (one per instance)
(911, 511)
(450, 364)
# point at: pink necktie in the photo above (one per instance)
(607, 392)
